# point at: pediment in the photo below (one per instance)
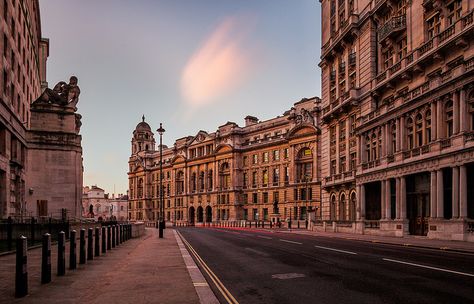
(223, 148)
(200, 137)
(303, 130)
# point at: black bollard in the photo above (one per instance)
(82, 246)
(298, 224)
(72, 250)
(9, 233)
(21, 275)
(61, 253)
(117, 235)
(121, 233)
(97, 242)
(270, 224)
(104, 247)
(46, 259)
(113, 236)
(90, 244)
(109, 241)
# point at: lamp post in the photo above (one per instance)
(307, 177)
(162, 207)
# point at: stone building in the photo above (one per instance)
(398, 117)
(265, 170)
(40, 145)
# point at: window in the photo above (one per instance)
(265, 178)
(342, 130)
(285, 153)
(374, 147)
(342, 164)
(352, 124)
(265, 157)
(265, 197)
(387, 58)
(287, 175)
(419, 130)
(393, 132)
(254, 159)
(254, 198)
(428, 126)
(454, 10)
(471, 110)
(333, 167)
(449, 118)
(276, 176)
(367, 148)
(276, 155)
(402, 48)
(245, 179)
(410, 133)
(433, 26)
(254, 179)
(352, 162)
(245, 160)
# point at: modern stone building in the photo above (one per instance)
(40, 145)
(398, 117)
(265, 170)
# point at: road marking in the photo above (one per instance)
(257, 252)
(220, 286)
(199, 284)
(264, 237)
(337, 250)
(430, 267)
(292, 242)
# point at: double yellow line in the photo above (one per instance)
(225, 293)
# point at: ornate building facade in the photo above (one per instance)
(40, 145)
(398, 117)
(265, 170)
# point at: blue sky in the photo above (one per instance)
(190, 64)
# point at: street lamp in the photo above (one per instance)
(162, 207)
(307, 177)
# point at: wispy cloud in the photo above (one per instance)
(221, 64)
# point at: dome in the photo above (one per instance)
(143, 126)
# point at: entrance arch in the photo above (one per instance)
(200, 216)
(208, 214)
(352, 207)
(191, 215)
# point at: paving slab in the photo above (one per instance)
(142, 270)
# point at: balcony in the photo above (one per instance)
(416, 151)
(393, 26)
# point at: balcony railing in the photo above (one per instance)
(445, 143)
(394, 25)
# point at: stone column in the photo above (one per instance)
(455, 113)
(440, 194)
(348, 157)
(439, 119)
(397, 198)
(455, 200)
(462, 192)
(388, 200)
(383, 153)
(462, 111)
(434, 122)
(433, 195)
(362, 202)
(403, 198)
(388, 140)
(383, 200)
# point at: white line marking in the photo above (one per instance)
(264, 237)
(292, 242)
(430, 267)
(337, 250)
(200, 284)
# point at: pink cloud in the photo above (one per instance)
(220, 65)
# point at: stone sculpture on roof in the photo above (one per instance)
(64, 94)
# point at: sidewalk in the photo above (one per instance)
(409, 241)
(143, 270)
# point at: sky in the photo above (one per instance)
(190, 64)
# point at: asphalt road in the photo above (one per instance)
(272, 267)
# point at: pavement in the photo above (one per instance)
(141, 270)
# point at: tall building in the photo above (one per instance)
(398, 117)
(265, 170)
(40, 145)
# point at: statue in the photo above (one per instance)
(64, 94)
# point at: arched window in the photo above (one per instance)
(367, 147)
(332, 208)
(448, 110)
(410, 133)
(201, 181)
(419, 130)
(352, 208)
(193, 182)
(428, 126)
(471, 110)
(342, 207)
